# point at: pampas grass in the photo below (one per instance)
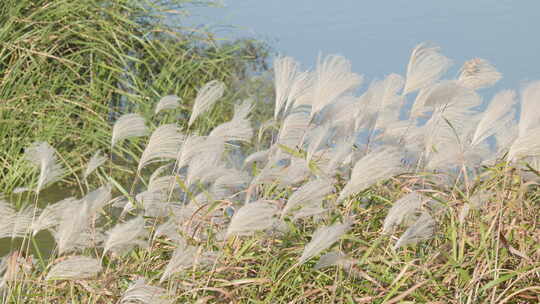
(75, 268)
(233, 198)
(310, 193)
(426, 66)
(333, 78)
(530, 112)
(51, 215)
(186, 256)
(372, 168)
(140, 292)
(74, 230)
(43, 156)
(207, 96)
(285, 73)
(421, 230)
(402, 210)
(127, 126)
(95, 161)
(496, 117)
(168, 102)
(125, 236)
(252, 217)
(165, 143)
(14, 223)
(478, 73)
(323, 238)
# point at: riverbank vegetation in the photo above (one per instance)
(192, 183)
(68, 69)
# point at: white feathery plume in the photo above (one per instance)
(75, 268)
(311, 209)
(323, 238)
(95, 161)
(440, 94)
(451, 156)
(372, 168)
(121, 202)
(168, 102)
(496, 116)
(214, 193)
(182, 217)
(388, 102)
(185, 257)
(74, 230)
(505, 137)
(238, 129)
(232, 179)
(204, 167)
(530, 109)
(123, 237)
(257, 157)
(333, 78)
(164, 143)
(195, 145)
(295, 173)
(252, 217)
(523, 146)
(299, 89)
(43, 156)
(269, 125)
(166, 168)
(426, 66)
(140, 292)
(206, 97)
(293, 129)
(316, 139)
(163, 184)
(309, 193)
(154, 203)
(449, 127)
(422, 229)
(128, 125)
(402, 210)
(478, 73)
(285, 73)
(380, 104)
(342, 113)
(365, 108)
(97, 199)
(14, 224)
(269, 173)
(170, 230)
(338, 155)
(334, 258)
(51, 215)
(242, 110)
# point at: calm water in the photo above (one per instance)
(377, 36)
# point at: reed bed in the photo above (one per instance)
(335, 197)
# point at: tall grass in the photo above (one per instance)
(68, 69)
(228, 204)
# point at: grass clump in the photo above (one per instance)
(337, 199)
(68, 69)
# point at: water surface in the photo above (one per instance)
(377, 36)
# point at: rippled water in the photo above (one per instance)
(377, 36)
